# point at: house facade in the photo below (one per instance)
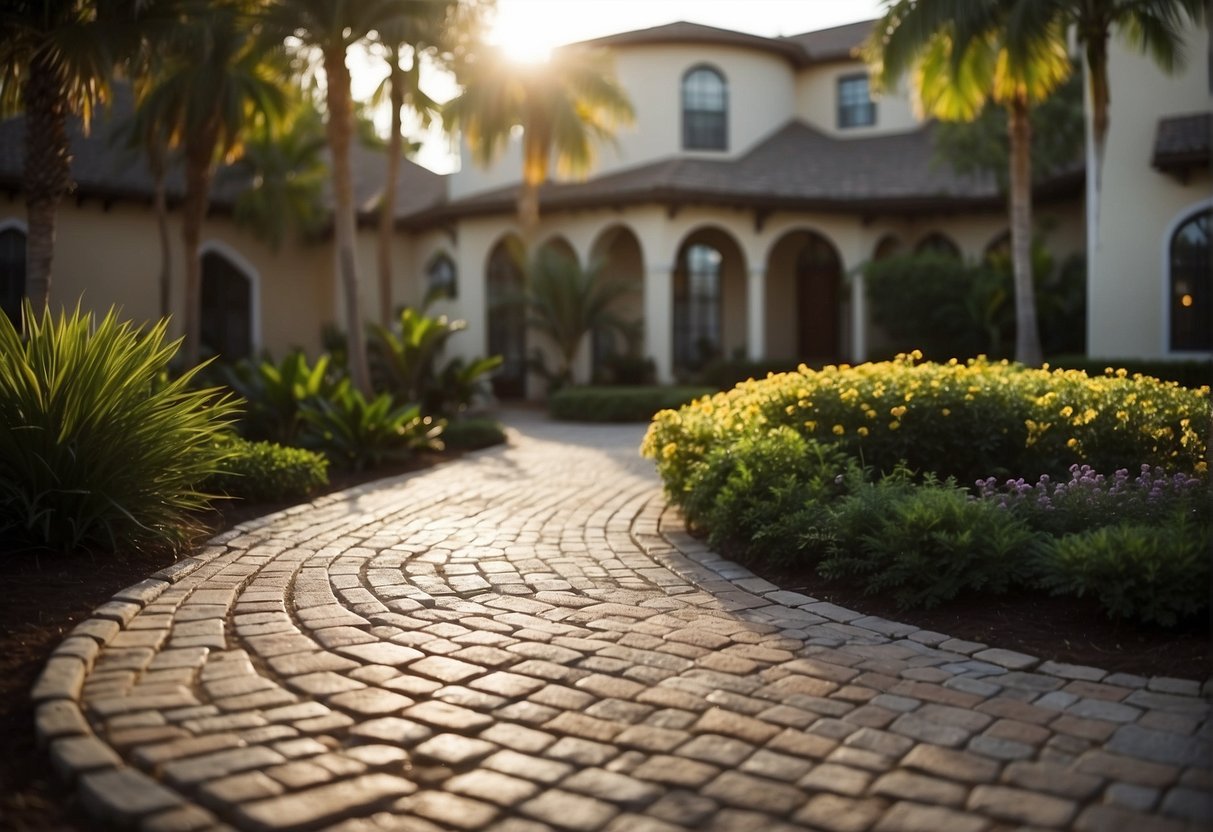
(760, 175)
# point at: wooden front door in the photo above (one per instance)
(818, 277)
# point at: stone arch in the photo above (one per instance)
(887, 246)
(938, 243)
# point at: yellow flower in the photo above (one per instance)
(811, 425)
(898, 412)
(839, 430)
(1067, 412)
(1071, 443)
(947, 411)
(894, 425)
(862, 431)
(669, 450)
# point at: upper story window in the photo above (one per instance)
(705, 110)
(855, 105)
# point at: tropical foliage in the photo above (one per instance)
(356, 432)
(97, 447)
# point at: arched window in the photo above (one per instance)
(441, 278)
(705, 110)
(507, 321)
(12, 273)
(697, 306)
(1191, 284)
(936, 243)
(227, 308)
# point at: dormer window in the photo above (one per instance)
(705, 110)
(855, 105)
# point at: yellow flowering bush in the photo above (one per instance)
(969, 420)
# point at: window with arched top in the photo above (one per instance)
(1191, 284)
(697, 306)
(705, 110)
(227, 308)
(441, 278)
(12, 273)
(936, 243)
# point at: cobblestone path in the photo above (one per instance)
(527, 640)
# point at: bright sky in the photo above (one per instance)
(529, 29)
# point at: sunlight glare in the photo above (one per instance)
(527, 38)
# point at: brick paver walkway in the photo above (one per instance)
(527, 640)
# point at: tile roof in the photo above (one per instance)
(796, 168)
(102, 168)
(834, 44)
(696, 33)
(1183, 142)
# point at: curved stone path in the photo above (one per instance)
(526, 640)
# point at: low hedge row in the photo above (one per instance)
(473, 434)
(619, 404)
(1187, 373)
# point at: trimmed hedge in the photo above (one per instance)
(970, 421)
(619, 404)
(473, 434)
(268, 472)
(1187, 373)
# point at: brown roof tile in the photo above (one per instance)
(838, 43)
(683, 32)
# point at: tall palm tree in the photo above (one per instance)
(327, 29)
(56, 60)
(284, 167)
(961, 54)
(563, 107)
(1155, 27)
(400, 39)
(215, 81)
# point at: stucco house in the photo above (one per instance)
(760, 175)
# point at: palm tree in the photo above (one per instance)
(564, 108)
(402, 87)
(216, 80)
(566, 303)
(1155, 27)
(56, 59)
(327, 29)
(285, 169)
(963, 53)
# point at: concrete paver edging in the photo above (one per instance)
(529, 640)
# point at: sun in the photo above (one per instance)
(528, 32)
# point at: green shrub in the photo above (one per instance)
(267, 472)
(1156, 573)
(970, 421)
(725, 373)
(405, 364)
(756, 487)
(97, 447)
(618, 404)
(274, 393)
(472, 434)
(356, 433)
(1188, 373)
(926, 543)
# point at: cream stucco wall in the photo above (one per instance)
(817, 102)
(761, 99)
(1127, 283)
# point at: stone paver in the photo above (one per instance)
(528, 639)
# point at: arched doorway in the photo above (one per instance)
(1191, 287)
(227, 308)
(805, 305)
(507, 317)
(709, 314)
(618, 257)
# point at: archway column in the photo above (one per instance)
(659, 319)
(756, 310)
(859, 319)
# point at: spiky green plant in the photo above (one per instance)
(355, 432)
(97, 448)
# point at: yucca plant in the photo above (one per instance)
(98, 448)
(274, 394)
(359, 433)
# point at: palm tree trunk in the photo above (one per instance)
(47, 170)
(160, 206)
(1027, 336)
(340, 129)
(198, 155)
(387, 206)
